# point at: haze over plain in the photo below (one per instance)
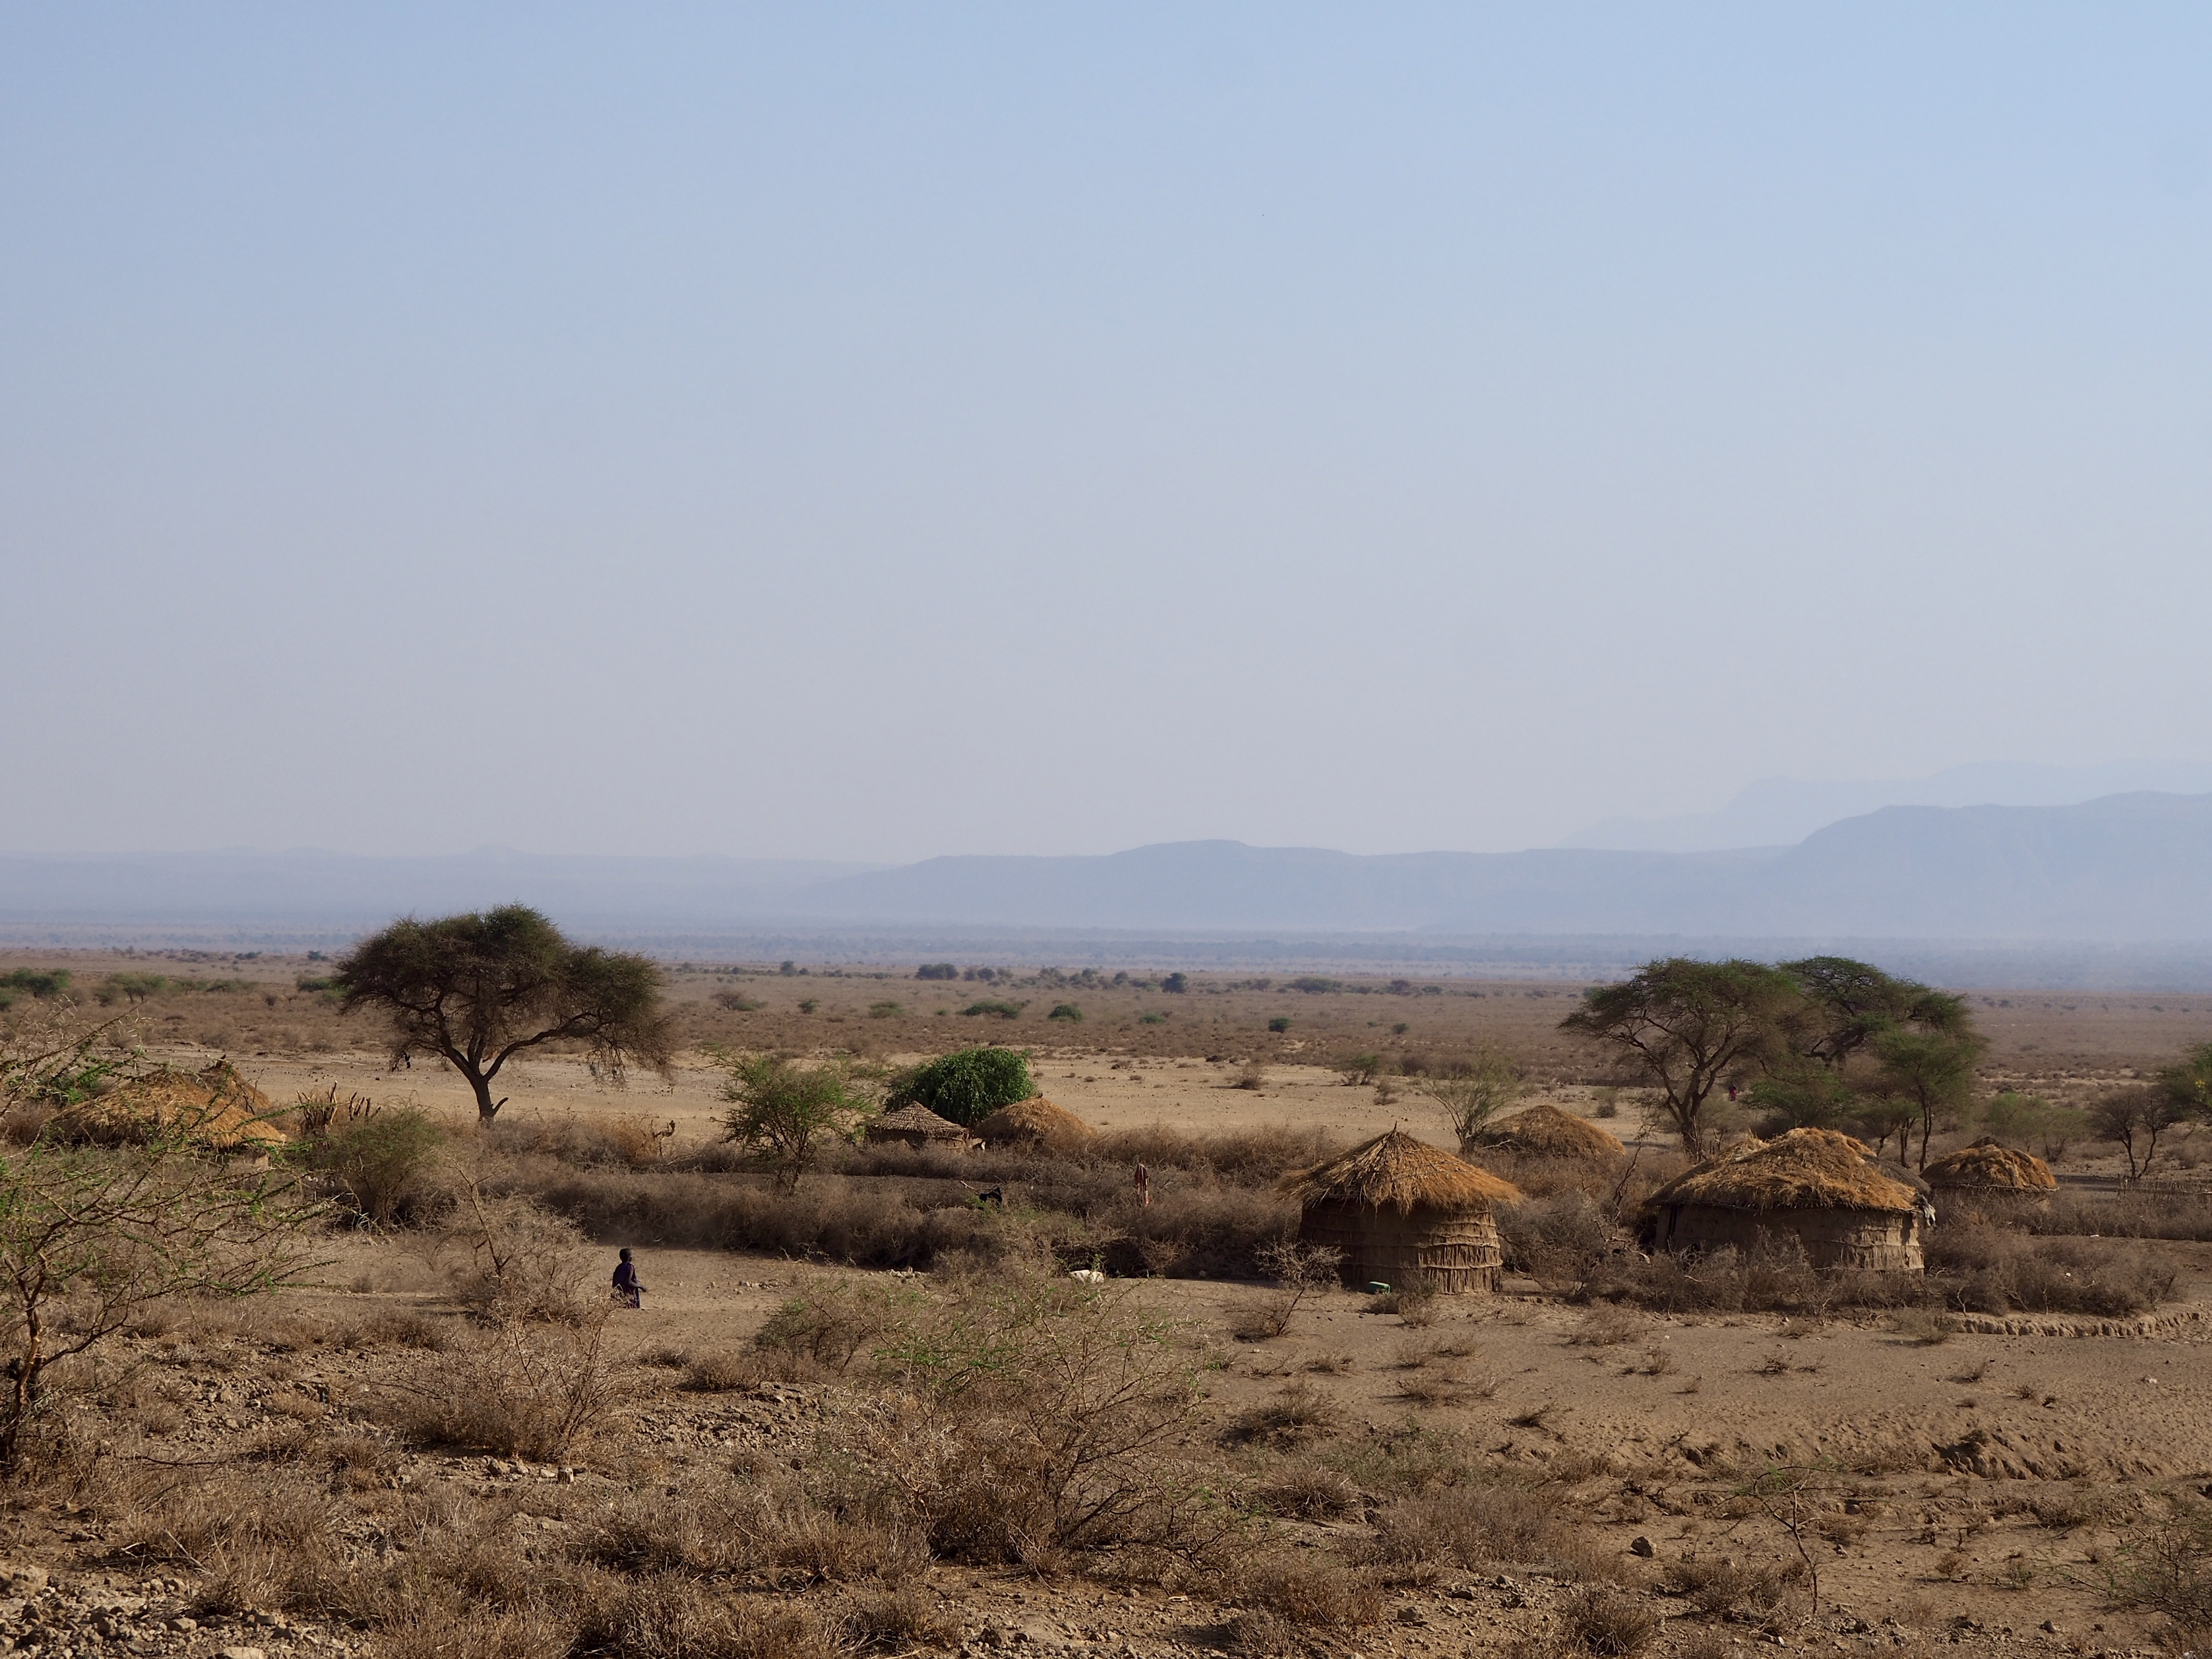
(839, 434)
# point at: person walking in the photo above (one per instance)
(1143, 1186)
(630, 1290)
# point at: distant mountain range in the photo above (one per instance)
(1783, 811)
(2126, 868)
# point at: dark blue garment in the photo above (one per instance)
(627, 1289)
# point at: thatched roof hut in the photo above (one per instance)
(1819, 1187)
(917, 1126)
(1033, 1123)
(1990, 1166)
(1397, 1206)
(216, 1108)
(1544, 1130)
(1990, 1173)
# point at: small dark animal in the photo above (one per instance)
(996, 1195)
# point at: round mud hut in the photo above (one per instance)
(1545, 1132)
(917, 1126)
(1397, 1206)
(1033, 1125)
(1989, 1177)
(216, 1108)
(1818, 1186)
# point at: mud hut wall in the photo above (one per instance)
(1459, 1249)
(1878, 1240)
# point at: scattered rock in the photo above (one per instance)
(1644, 1547)
(17, 1578)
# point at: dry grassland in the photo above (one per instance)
(876, 1417)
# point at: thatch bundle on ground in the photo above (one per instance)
(917, 1126)
(1035, 1122)
(1398, 1207)
(1816, 1186)
(216, 1108)
(1989, 1173)
(1544, 1130)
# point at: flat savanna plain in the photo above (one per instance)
(1530, 1470)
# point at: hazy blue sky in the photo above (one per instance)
(875, 432)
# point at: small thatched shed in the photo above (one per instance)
(917, 1126)
(1819, 1187)
(1990, 1173)
(1033, 1123)
(1397, 1206)
(1544, 1130)
(216, 1108)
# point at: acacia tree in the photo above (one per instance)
(1687, 1024)
(781, 1112)
(90, 1236)
(2133, 1119)
(1932, 1073)
(477, 989)
(1475, 1091)
(1850, 1004)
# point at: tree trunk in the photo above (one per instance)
(487, 1107)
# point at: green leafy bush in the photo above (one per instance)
(937, 970)
(1281, 1023)
(39, 982)
(1003, 1010)
(968, 1084)
(1065, 1011)
(129, 988)
(380, 1160)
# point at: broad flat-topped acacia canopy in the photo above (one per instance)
(478, 989)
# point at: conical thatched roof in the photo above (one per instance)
(1030, 1122)
(217, 1107)
(917, 1120)
(1395, 1171)
(1544, 1131)
(1803, 1170)
(1991, 1166)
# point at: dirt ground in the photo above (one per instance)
(1971, 1489)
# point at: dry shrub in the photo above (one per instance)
(1309, 1592)
(441, 1628)
(727, 1373)
(624, 1139)
(1248, 1157)
(521, 1261)
(1989, 1269)
(397, 1327)
(521, 1391)
(901, 1617)
(1309, 1491)
(1213, 1233)
(1465, 1526)
(821, 1328)
(1026, 1415)
(2166, 1568)
(1300, 1271)
(1924, 1328)
(1609, 1623)
(1718, 1586)
(1298, 1413)
(1560, 1239)
(1606, 1327)
(834, 1218)
(2136, 1214)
